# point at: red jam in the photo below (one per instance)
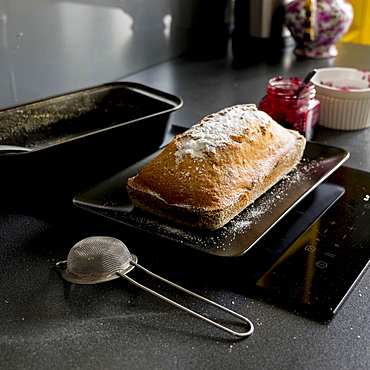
(297, 113)
(344, 88)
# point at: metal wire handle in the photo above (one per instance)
(100, 259)
(178, 305)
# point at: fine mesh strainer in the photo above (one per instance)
(99, 258)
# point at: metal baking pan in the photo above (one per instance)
(83, 135)
(109, 198)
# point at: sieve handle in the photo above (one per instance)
(178, 305)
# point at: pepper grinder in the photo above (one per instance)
(259, 32)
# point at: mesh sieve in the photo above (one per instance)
(97, 259)
(100, 258)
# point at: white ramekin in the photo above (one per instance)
(344, 94)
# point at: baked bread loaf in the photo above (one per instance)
(211, 172)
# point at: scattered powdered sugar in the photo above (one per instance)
(217, 130)
(265, 209)
(266, 203)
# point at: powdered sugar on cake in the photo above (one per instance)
(219, 129)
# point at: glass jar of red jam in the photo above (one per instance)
(300, 112)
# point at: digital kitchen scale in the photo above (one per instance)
(304, 244)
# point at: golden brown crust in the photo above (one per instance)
(211, 172)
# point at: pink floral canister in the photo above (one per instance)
(318, 25)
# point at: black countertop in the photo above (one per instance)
(46, 322)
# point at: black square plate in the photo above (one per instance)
(109, 198)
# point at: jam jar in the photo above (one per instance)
(299, 113)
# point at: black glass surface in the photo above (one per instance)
(320, 268)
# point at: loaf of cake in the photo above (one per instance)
(211, 172)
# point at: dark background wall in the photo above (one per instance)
(48, 47)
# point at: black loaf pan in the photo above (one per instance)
(76, 139)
